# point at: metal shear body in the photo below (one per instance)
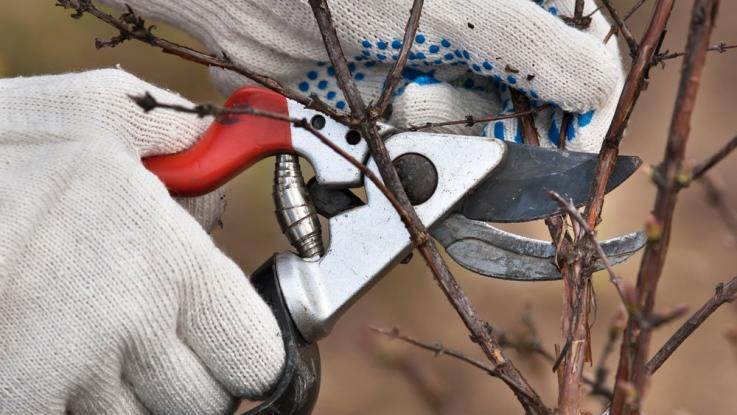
(309, 292)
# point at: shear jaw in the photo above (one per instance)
(486, 250)
(367, 241)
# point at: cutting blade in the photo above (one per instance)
(517, 190)
(489, 251)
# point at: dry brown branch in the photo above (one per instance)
(480, 330)
(395, 73)
(577, 292)
(724, 293)
(440, 350)
(715, 158)
(627, 100)
(632, 367)
(715, 198)
(661, 318)
(661, 57)
(133, 27)
(635, 7)
(621, 27)
(616, 326)
(577, 297)
(627, 15)
(615, 279)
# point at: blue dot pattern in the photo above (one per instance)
(426, 54)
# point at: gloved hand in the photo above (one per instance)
(112, 298)
(465, 56)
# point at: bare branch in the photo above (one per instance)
(715, 198)
(633, 86)
(577, 292)
(395, 73)
(635, 8)
(615, 279)
(724, 293)
(715, 158)
(438, 349)
(661, 57)
(615, 331)
(471, 120)
(621, 27)
(662, 318)
(635, 346)
(133, 27)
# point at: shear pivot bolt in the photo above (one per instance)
(418, 176)
(318, 122)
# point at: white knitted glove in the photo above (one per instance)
(112, 298)
(465, 55)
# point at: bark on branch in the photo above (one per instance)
(632, 367)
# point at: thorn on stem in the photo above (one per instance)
(146, 101)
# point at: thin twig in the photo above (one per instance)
(715, 198)
(471, 120)
(615, 331)
(661, 318)
(439, 350)
(138, 31)
(621, 28)
(661, 57)
(614, 29)
(635, 346)
(715, 158)
(395, 73)
(148, 103)
(634, 8)
(724, 293)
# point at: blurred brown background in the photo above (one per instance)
(701, 378)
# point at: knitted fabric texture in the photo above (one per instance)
(474, 49)
(113, 298)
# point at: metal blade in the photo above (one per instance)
(495, 253)
(517, 190)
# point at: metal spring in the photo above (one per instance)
(294, 211)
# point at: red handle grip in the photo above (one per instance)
(230, 145)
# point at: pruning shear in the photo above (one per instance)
(456, 183)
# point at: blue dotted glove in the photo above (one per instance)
(465, 57)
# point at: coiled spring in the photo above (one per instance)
(294, 211)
